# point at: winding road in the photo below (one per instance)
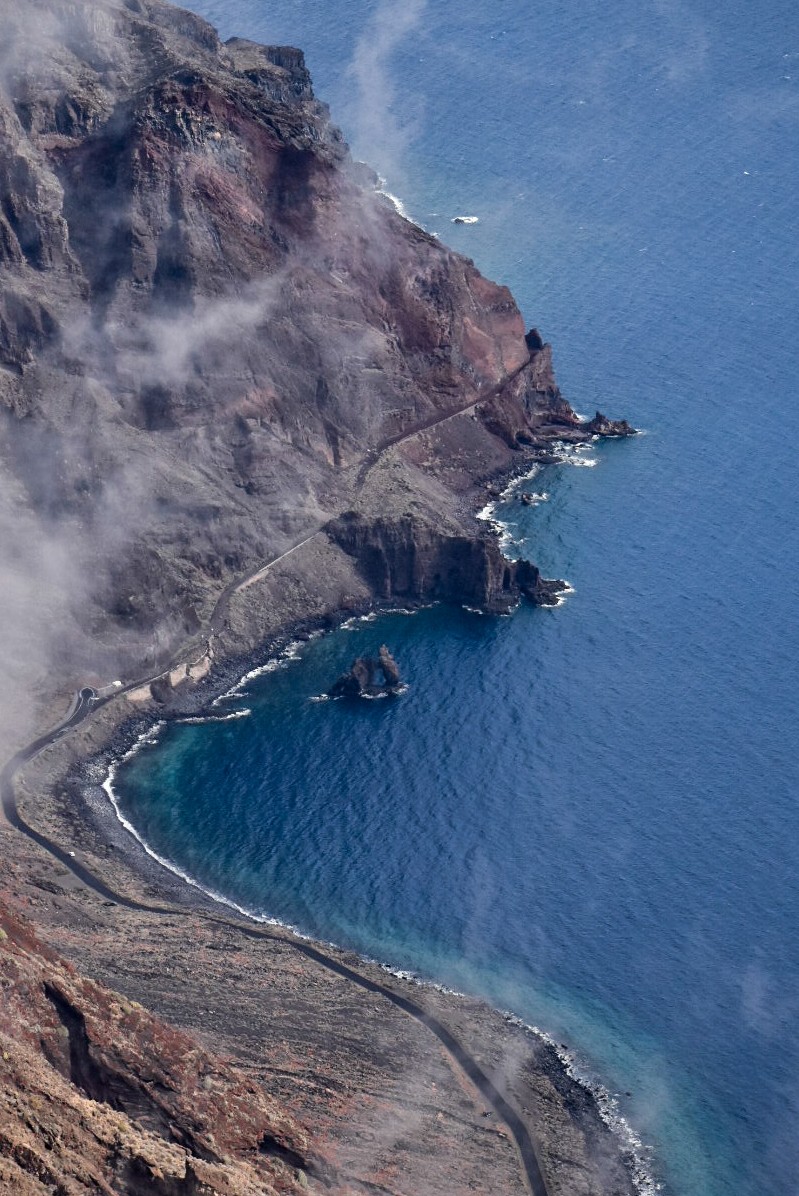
(86, 701)
(82, 706)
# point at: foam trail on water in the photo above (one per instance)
(216, 718)
(636, 1150)
(108, 787)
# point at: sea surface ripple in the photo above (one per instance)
(588, 815)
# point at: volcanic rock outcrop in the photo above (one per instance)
(369, 676)
(600, 425)
(408, 558)
(210, 324)
(219, 345)
(99, 1096)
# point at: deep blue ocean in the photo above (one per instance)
(588, 815)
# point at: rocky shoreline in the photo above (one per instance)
(80, 813)
(241, 400)
(60, 794)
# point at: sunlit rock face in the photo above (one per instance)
(218, 345)
(210, 326)
(98, 1095)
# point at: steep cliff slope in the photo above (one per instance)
(208, 322)
(218, 342)
(98, 1096)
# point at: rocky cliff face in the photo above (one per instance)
(208, 321)
(98, 1096)
(408, 559)
(216, 342)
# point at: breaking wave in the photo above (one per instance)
(150, 736)
(291, 653)
(395, 201)
(215, 718)
(635, 1149)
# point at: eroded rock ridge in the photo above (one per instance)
(369, 676)
(211, 327)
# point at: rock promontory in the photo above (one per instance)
(410, 559)
(215, 333)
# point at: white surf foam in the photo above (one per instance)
(574, 454)
(486, 513)
(354, 622)
(607, 1104)
(531, 473)
(501, 529)
(562, 596)
(398, 205)
(216, 718)
(170, 865)
(287, 656)
(394, 200)
(609, 1109)
(636, 1150)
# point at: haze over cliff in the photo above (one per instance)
(219, 344)
(208, 320)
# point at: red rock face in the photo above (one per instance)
(211, 326)
(198, 186)
(208, 315)
(217, 342)
(97, 1095)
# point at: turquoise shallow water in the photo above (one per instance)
(588, 815)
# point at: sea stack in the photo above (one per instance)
(369, 677)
